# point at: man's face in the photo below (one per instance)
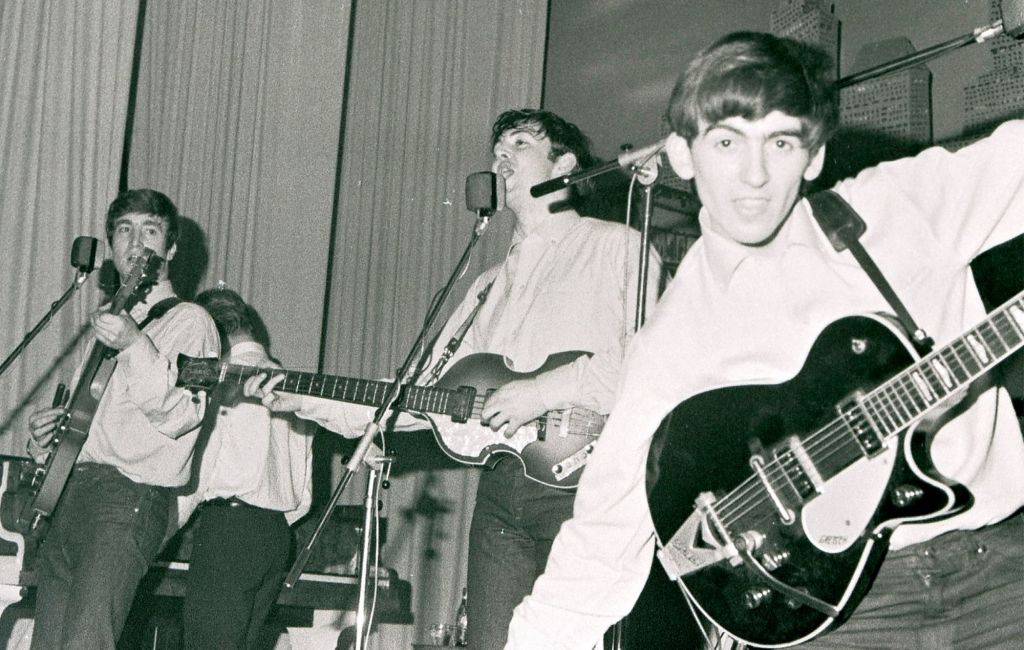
(133, 232)
(747, 173)
(522, 156)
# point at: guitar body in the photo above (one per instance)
(72, 431)
(747, 560)
(541, 446)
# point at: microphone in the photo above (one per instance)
(83, 254)
(482, 193)
(632, 160)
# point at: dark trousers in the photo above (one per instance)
(514, 523)
(236, 568)
(105, 532)
(960, 591)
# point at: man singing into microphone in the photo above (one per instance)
(569, 283)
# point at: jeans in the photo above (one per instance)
(961, 590)
(105, 532)
(514, 523)
(236, 569)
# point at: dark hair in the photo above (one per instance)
(232, 314)
(565, 136)
(144, 201)
(751, 74)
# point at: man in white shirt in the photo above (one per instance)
(568, 284)
(254, 481)
(750, 118)
(110, 521)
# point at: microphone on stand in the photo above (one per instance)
(83, 258)
(83, 254)
(482, 193)
(633, 161)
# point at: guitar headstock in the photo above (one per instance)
(141, 276)
(197, 374)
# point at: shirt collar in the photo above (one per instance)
(724, 255)
(553, 230)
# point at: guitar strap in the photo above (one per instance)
(456, 340)
(159, 309)
(844, 227)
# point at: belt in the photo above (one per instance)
(229, 502)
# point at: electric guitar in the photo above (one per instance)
(73, 427)
(552, 449)
(773, 504)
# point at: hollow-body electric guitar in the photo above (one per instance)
(73, 427)
(552, 449)
(773, 504)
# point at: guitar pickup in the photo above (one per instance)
(461, 404)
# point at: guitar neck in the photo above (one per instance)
(367, 392)
(948, 370)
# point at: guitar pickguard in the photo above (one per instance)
(834, 521)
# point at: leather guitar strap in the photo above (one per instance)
(844, 227)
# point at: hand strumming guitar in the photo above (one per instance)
(512, 406)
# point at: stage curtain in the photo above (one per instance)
(64, 87)
(426, 81)
(237, 119)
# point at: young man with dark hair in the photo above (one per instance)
(111, 519)
(254, 480)
(568, 284)
(751, 116)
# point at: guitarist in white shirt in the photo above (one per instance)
(568, 284)
(750, 118)
(110, 521)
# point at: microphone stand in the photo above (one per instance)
(45, 320)
(647, 175)
(979, 35)
(403, 376)
(378, 466)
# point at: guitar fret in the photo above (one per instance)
(965, 355)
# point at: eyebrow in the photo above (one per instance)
(794, 133)
(149, 219)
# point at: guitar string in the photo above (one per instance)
(822, 443)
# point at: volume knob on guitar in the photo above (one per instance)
(903, 495)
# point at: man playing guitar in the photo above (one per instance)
(568, 284)
(111, 519)
(750, 119)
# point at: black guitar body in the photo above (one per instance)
(831, 548)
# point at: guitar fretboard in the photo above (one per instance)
(357, 391)
(912, 393)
